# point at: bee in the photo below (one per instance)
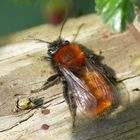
(92, 91)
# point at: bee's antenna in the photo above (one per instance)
(40, 40)
(79, 28)
(62, 28)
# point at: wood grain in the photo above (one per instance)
(22, 69)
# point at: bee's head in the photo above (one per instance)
(56, 45)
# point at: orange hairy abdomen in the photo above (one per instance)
(96, 85)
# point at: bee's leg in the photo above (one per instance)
(73, 108)
(46, 58)
(49, 82)
(70, 100)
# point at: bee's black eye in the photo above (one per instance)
(66, 42)
(52, 51)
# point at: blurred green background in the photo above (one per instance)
(14, 16)
(18, 16)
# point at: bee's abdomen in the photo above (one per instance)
(99, 89)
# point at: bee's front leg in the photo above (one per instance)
(49, 82)
(46, 58)
(70, 100)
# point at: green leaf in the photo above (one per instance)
(118, 22)
(129, 9)
(116, 12)
(100, 5)
(109, 10)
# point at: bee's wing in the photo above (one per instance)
(83, 98)
(107, 89)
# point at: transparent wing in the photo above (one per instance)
(106, 87)
(84, 99)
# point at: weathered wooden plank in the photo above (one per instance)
(21, 70)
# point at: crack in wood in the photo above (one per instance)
(127, 78)
(18, 123)
(58, 94)
(52, 99)
(136, 89)
(59, 103)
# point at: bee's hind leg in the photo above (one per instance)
(49, 82)
(71, 102)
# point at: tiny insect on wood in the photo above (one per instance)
(23, 104)
(92, 91)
